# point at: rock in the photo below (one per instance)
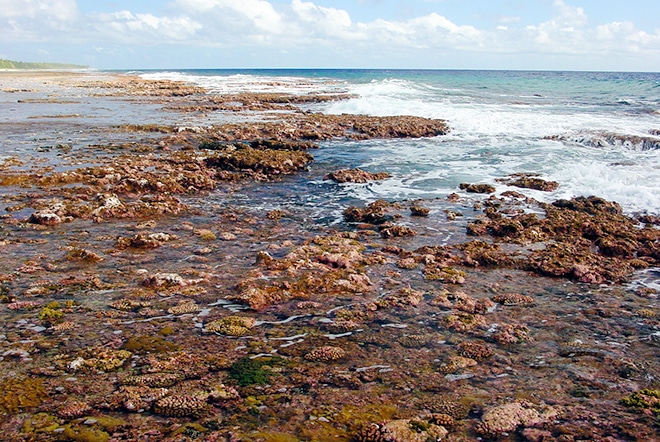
(477, 188)
(269, 162)
(418, 210)
(165, 280)
(448, 275)
(45, 218)
(397, 231)
(530, 181)
(356, 176)
(374, 213)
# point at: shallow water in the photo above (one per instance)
(589, 346)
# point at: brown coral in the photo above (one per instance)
(445, 274)
(231, 326)
(476, 350)
(184, 308)
(182, 406)
(154, 379)
(513, 299)
(456, 363)
(325, 354)
(74, 409)
(511, 334)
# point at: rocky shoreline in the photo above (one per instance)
(137, 306)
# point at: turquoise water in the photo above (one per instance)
(595, 133)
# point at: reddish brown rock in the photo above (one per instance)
(356, 176)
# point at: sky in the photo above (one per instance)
(593, 35)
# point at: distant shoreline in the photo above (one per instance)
(12, 64)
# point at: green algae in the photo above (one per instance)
(248, 371)
(20, 393)
(166, 331)
(192, 430)
(646, 399)
(149, 344)
(51, 313)
(275, 437)
(85, 434)
(40, 423)
(89, 429)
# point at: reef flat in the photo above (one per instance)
(148, 293)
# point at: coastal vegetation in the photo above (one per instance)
(11, 64)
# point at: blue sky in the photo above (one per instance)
(438, 34)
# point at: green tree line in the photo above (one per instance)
(9, 64)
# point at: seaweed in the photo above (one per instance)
(248, 371)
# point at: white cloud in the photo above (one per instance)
(260, 13)
(59, 10)
(321, 22)
(129, 27)
(36, 20)
(569, 16)
(296, 27)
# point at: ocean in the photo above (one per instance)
(595, 133)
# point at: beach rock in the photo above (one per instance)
(268, 162)
(417, 210)
(477, 188)
(145, 241)
(529, 181)
(611, 139)
(275, 144)
(259, 298)
(374, 213)
(397, 231)
(587, 239)
(164, 280)
(45, 218)
(356, 176)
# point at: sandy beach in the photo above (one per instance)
(148, 293)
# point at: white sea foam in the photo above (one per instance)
(498, 127)
(491, 139)
(237, 83)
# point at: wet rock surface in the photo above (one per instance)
(136, 304)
